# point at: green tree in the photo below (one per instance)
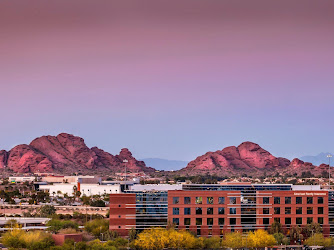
(96, 227)
(281, 239)
(312, 229)
(47, 211)
(276, 227)
(55, 225)
(296, 234)
(318, 239)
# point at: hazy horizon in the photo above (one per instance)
(169, 80)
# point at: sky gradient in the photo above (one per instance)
(169, 79)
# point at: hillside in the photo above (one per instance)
(66, 153)
(250, 159)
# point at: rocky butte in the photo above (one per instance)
(248, 158)
(66, 153)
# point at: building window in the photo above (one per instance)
(176, 221)
(299, 200)
(277, 210)
(176, 200)
(320, 210)
(187, 221)
(277, 200)
(309, 210)
(266, 211)
(287, 221)
(299, 221)
(299, 210)
(321, 220)
(198, 221)
(209, 200)
(221, 200)
(287, 200)
(187, 210)
(199, 200)
(198, 210)
(320, 200)
(233, 221)
(221, 210)
(233, 200)
(266, 221)
(233, 210)
(209, 221)
(278, 220)
(221, 221)
(187, 200)
(309, 220)
(265, 200)
(288, 210)
(176, 211)
(309, 200)
(209, 210)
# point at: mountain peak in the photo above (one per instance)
(65, 153)
(247, 158)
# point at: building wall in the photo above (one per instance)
(256, 217)
(251, 210)
(122, 216)
(60, 238)
(85, 189)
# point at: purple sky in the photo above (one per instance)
(169, 79)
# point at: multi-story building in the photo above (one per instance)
(216, 209)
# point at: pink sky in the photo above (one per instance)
(169, 79)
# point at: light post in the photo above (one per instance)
(125, 161)
(329, 156)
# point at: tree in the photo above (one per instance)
(98, 203)
(159, 238)
(281, 239)
(312, 229)
(260, 239)
(276, 227)
(318, 239)
(132, 234)
(233, 240)
(96, 227)
(55, 225)
(296, 234)
(30, 240)
(47, 211)
(212, 242)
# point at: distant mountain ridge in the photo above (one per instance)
(66, 153)
(250, 159)
(164, 164)
(318, 159)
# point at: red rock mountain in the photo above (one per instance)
(66, 153)
(247, 158)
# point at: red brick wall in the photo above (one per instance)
(122, 213)
(215, 229)
(60, 238)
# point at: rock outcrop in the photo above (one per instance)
(248, 158)
(66, 153)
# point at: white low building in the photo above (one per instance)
(21, 178)
(85, 189)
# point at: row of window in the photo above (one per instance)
(199, 210)
(299, 200)
(233, 200)
(233, 221)
(233, 210)
(199, 200)
(299, 210)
